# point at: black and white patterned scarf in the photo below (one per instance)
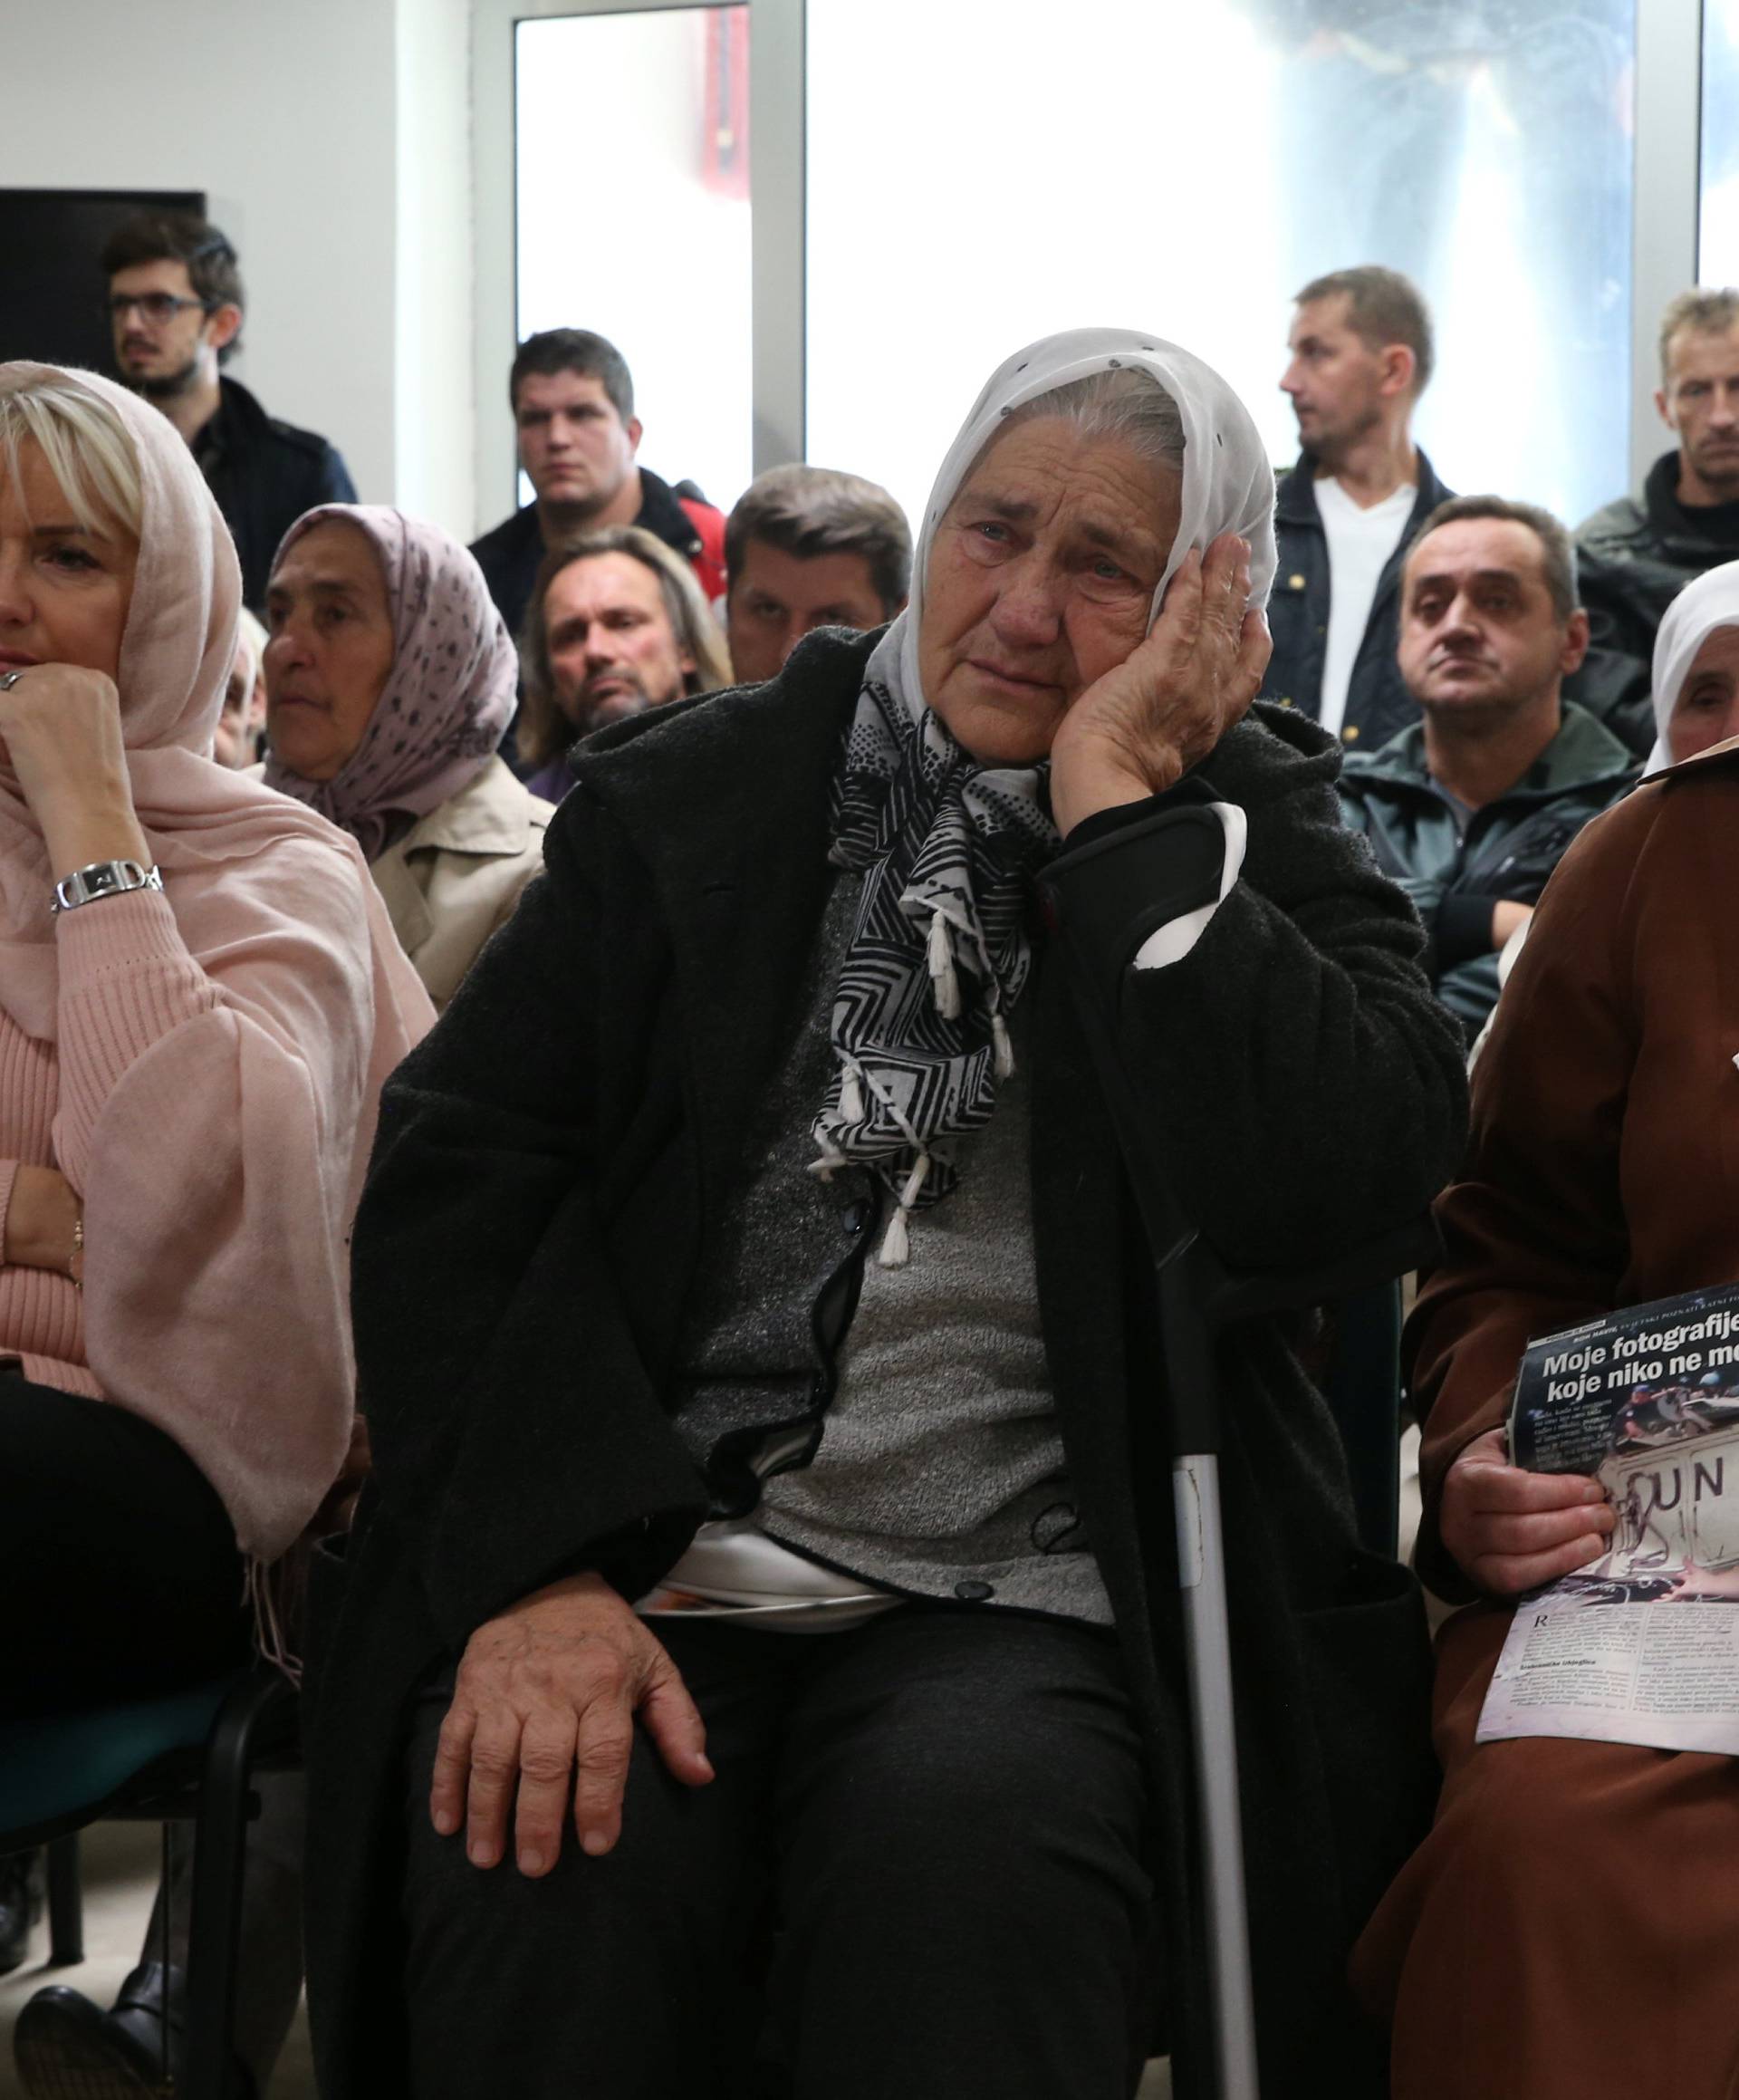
(939, 953)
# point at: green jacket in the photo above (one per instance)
(1508, 850)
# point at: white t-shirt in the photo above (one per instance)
(1360, 542)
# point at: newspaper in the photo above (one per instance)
(1647, 1402)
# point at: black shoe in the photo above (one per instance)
(21, 1906)
(67, 2048)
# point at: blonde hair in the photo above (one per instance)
(85, 443)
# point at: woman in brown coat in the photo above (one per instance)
(1571, 1923)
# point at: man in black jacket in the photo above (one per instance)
(1472, 808)
(1361, 354)
(1638, 554)
(176, 305)
(574, 407)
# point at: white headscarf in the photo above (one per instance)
(940, 949)
(1699, 610)
(1228, 483)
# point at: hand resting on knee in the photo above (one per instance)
(1511, 1530)
(543, 1711)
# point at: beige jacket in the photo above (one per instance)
(457, 874)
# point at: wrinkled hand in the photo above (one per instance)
(1135, 731)
(1511, 1530)
(60, 727)
(544, 1707)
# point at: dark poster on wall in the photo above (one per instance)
(51, 287)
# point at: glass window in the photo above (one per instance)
(633, 218)
(1187, 169)
(1718, 231)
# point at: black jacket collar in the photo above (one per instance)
(1295, 499)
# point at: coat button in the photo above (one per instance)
(974, 1593)
(1295, 583)
(1349, 735)
(856, 1217)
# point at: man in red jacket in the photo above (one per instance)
(573, 404)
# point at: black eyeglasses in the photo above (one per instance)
(156, 306)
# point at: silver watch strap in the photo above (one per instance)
(103, 879)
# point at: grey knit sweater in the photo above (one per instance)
(927, 1458)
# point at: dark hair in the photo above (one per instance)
(544, 730)
(1382, 307)
(180, 236)
(1557, 549)
(576, 350)
(807, 511)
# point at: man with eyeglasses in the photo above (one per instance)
(176, 305)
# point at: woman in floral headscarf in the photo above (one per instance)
(390, 685)
(748, 1252)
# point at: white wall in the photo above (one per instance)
(436, 478)
(287, 115)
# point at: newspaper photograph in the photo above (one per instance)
(1642, 1645)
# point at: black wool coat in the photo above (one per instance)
(548, 1179)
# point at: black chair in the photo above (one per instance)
(187, 1758)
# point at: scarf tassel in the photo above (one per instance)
(1005, 1048)
(896, 1244)
(850, 1093)
(945, 979)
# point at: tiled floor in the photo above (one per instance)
(120, 1863)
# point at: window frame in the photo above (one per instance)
(1666, 207)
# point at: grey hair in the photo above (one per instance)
(1128, 404)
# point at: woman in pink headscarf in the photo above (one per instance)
(390, 685)
(199, 997)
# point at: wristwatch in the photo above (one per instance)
(103, 879)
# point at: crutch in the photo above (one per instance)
(1199, 1297)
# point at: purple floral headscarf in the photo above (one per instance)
(448, 700)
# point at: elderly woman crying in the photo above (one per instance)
(747, 1254)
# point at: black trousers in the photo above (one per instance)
(916, 1874)
(117, 1562)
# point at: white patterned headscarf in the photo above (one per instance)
(948, 845)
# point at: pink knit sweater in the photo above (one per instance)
(213, 1119)
(126, 980)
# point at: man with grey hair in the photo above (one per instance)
(1472, 807)
(1361, 355)
(1639, 552)
(808, 547)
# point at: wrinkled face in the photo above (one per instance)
(1041, 577)
(64, 591)
(571, 442)
(1707, 708)
(161, 352)
(1334, 380)
(244, 715)
(1700, 401)
(613, 651)
(777, 597)
(329, 650)
(1478, 627)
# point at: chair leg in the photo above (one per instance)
(65, 1903)
(220, 1847)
